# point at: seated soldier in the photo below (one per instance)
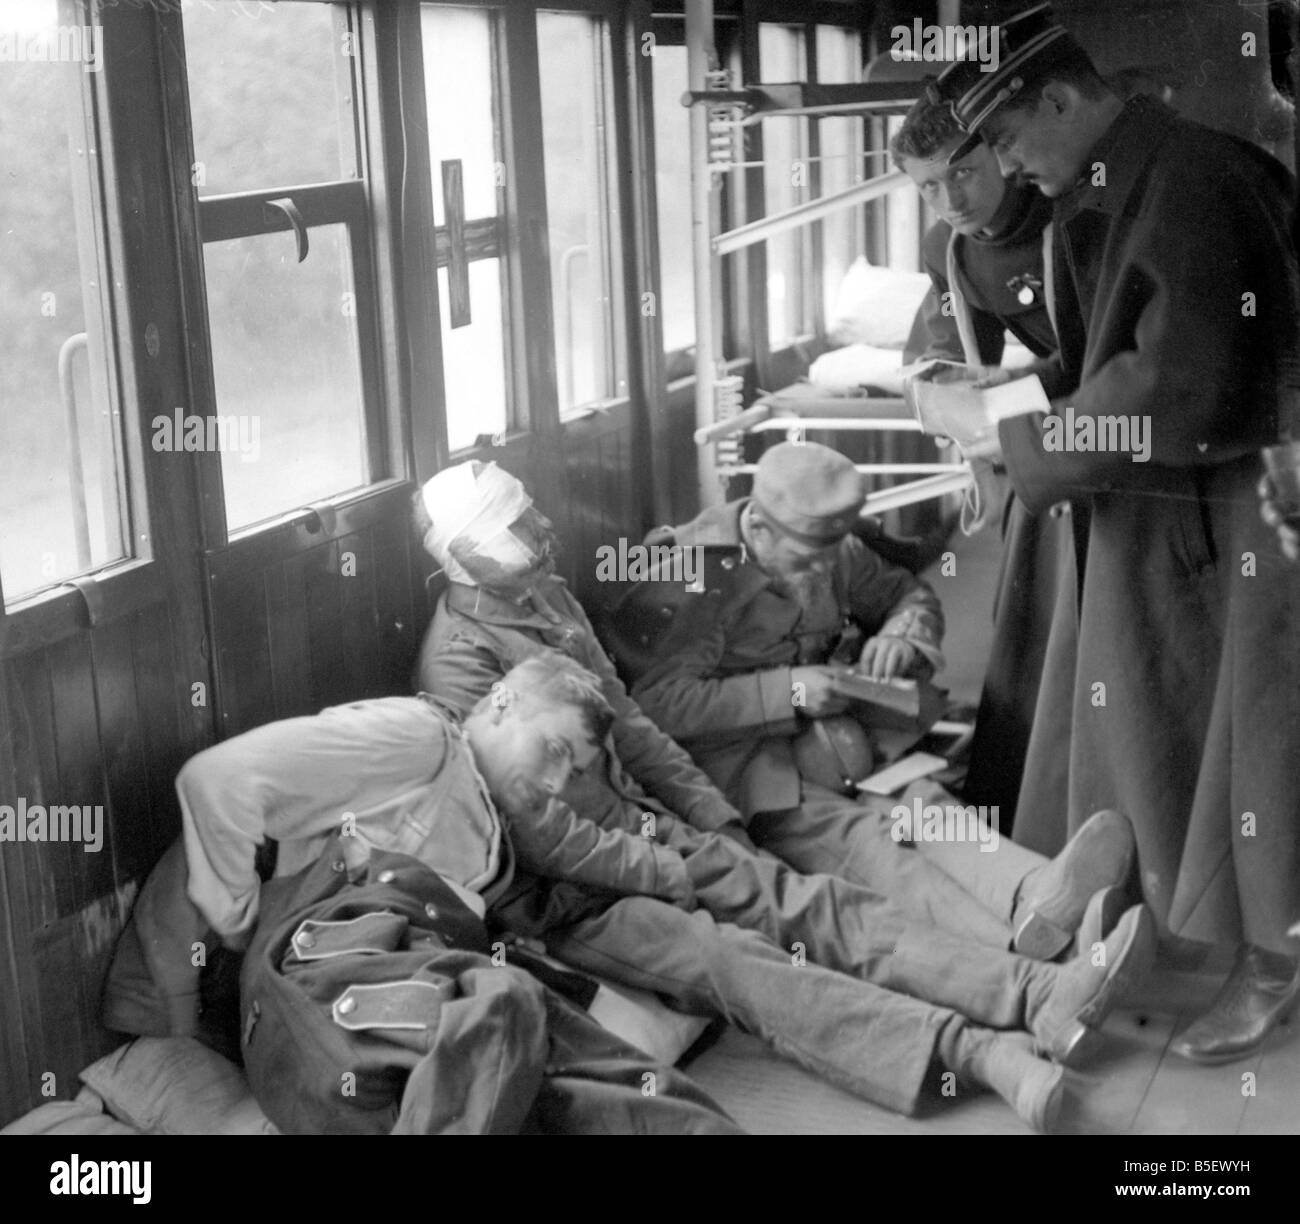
(397, 777)
(489, 530)
(737, 674)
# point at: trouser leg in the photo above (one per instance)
(842, 926)
(854, 841)
(869, 1041)
(991, 872)
(597, 1084)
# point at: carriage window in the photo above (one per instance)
(464, 132)
(582, 209)
(288, 267)
(284, 357)
(842, 163)
(264, 97)
(62, 492)
(785, 184)
(673, 196)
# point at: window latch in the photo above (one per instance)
(289, 209)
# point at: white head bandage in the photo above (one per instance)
(477, 510)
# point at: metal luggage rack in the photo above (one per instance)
(718, 113)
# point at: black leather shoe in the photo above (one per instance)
(1054, 897)
(1259, 993)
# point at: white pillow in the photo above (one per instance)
(876, 305)
(175, 1086)
(858, 365)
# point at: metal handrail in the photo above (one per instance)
(566, 295)
(76, 471)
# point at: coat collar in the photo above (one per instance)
(1126, 149)
(719, 527)
(540, 612)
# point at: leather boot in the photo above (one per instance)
(1260, 991)
(1053, 897)
(1006, 1062)
(1066, 1003)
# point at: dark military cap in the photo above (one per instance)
(1029, 44)
(809, 492)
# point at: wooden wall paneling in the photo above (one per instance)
(286, 615)
(123, 753)
(358, 638)
(23, 907)
(398, 600)
(17, 991)
(164, 697)
(61, 983)
(81, 773)
(246, 695)
(325, 628)
(51, 886)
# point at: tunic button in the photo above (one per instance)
(387, 877)
(431, 910)
(728, 563)
(347, 1004)
(338, 865)
(305, 939)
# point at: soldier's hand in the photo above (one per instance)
(883, 658)
(993, 376)
(814, 692)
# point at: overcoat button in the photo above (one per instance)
(387, 876)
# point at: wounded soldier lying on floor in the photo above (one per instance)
(643, 822)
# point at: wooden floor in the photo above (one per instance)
(1135, 1085)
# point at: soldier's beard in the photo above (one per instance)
(809, 589)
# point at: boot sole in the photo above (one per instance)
(1044, 927)
(1040, 939)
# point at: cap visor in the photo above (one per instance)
(967, 146)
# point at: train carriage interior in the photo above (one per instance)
(621, 248)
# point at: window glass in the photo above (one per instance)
(903, 208)
(785, 184)
(842, 162)
(285, 362)
(673, 189)
(61, 471)
(458, 91)
(582, 208)
(474, 359)
(264, 94)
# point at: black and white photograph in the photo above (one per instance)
(616, 567)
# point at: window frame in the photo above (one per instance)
(68, 606)
(351, 202)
